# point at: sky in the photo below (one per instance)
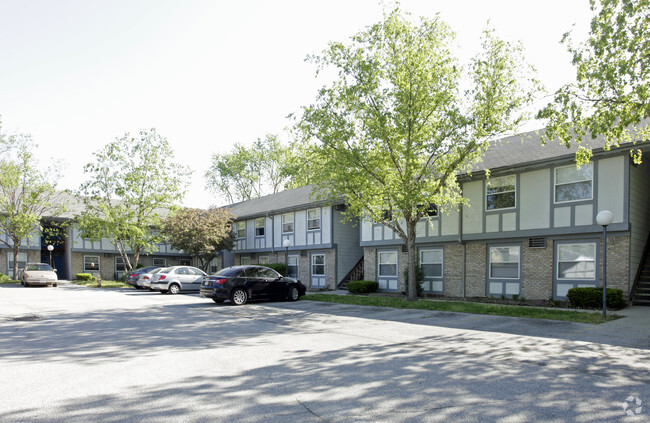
(77, 74)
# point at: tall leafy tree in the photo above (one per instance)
(200, 233)
(27, 192)
(132, 183)
(611, 93)
(249, 172)
(394, 129)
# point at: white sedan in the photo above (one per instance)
(39, 274)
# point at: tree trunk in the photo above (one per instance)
(16, 249)
(412, 260)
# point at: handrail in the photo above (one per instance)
(644, 256)
(356, 271)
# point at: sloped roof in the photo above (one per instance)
(74, 205)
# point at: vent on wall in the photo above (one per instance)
(537, 242)
(405, 249)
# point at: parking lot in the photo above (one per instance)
(74, 354)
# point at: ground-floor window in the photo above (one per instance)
(318, 270)
(264, 260)
(387, 270)
(92, 264)
(22, 262)
(119, 265)
(504, 270)
(160, 262)
(431, 261)
(185, 261)
(575, 264)
(245, 261)
(292, 267)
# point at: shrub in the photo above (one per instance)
(85, 277)
(362, 287)
(4, 278)
(281, 268)
(593, 298)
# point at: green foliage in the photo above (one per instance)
(591, 297)
(362, 287)
(27, 191)
(281, 268)
(200, 233)
(611, 95)
(129, 181)
(85, 277)
(394, 130)
(263, 168)
(4, 277)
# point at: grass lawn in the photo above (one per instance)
(105, 284)
(466, 307)
(8, 282)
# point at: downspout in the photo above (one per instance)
(462, 243)
(272, 233)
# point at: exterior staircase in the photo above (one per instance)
(641, 289)
(356, 274)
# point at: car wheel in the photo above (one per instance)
(174, 288)
(293, 294)
(238, 297)
(218, 301)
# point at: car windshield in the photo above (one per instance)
(227, 271)
(39, 267)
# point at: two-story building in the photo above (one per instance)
(529, 230)
(318, 244)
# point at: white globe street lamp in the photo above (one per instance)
(286, 244)
(50, 248)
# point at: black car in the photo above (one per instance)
(241, 283)
(132, 276)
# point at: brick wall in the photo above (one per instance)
(537, 271)
(476, 268)
(453, 270)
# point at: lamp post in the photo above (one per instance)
(604, 219)
(286, 243)
(50, 248)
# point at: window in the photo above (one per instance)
(313, 219)
(287, 223)
(259, 226)
(573, 184)
(159, 262)
(91, 264)
(119, 264)
(264, 260)
(504, 262)
(431, 211)
(245, 261)
(22, 261)
(431, 263)
(318, 264)
(387, 263)
(500, 192)
(241, 229)
(576, 261)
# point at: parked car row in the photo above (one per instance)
(237, 284)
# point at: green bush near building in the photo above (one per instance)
(593, 298)
(85, 277)
(362, 287)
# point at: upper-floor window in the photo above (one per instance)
(287, 222)
(313, 219)
(500, 192)
(241, 229)
(573, 184)
(259, 226)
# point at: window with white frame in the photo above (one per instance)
(387, 263)
(292, 267)
(263, 260)
(576, 261)
(245, 261)
(318, 264)
(313, 219)
(92, 264)
(501, 192)
(573, 184)
(259, 226)
(22, 261)
(431, 263)
(241, 229)
(119, 264)
(287, 223)
(504, 262)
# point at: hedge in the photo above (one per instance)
(281, 268)
(362, 287)
(85, 277)
(592, 297)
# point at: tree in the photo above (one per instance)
(247, 173)
(27, 192)
(132, 182)
(393, 130)
(611, 94)
(200, 233)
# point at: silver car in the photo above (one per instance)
(144, 279)
(39, 274)
(176, 279)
